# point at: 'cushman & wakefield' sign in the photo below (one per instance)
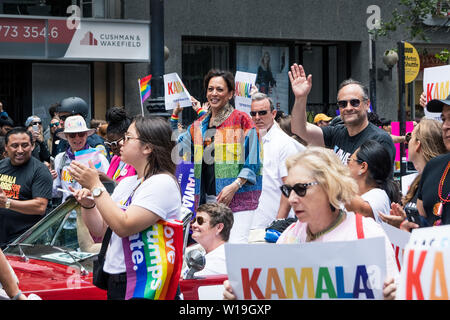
(93, 40)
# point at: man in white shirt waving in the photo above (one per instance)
(277, 146)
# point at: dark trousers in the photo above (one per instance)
(117, 286)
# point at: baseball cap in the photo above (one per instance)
(31, 119)
(437, 105)
(321, 117)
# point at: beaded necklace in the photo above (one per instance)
(441, 184)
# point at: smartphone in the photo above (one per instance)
(412, 214)
(36, 127)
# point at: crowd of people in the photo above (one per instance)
(245, 169)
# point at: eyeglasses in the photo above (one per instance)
(79, 134)
(113, 144)
(261, 113)
(127, 138)
(351, 159)
(199, 219)
(353, 102)
(63, 118)
(299, 188)
(54, 124)
(407, 137)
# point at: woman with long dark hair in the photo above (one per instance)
(371, 166)
(139, 206)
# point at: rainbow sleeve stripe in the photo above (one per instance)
(145, 87)
(153, 260)
(201, 112)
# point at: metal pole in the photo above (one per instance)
(401, 100)
(373, 79)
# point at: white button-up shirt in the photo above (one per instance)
(277, 146)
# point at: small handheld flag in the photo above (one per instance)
(145, 89)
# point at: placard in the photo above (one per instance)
(426, 264)
(244, 81)
(436, 85)
(175, 92)
(399, 239)
(317, 270)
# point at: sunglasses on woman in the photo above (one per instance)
(79, 134)
(113, 144)
(353, 102)
(407, 137)
(299, 188)
(54, 124)
(199, 219)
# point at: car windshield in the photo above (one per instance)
(61, 236)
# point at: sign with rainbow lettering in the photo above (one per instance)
(175, 92)
(436, 85)
(243, 82)
(426, 264)
(316, 270)
(153, 260)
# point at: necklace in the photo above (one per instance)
(441, 184)
(313, 236)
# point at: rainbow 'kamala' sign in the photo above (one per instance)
(332, 270)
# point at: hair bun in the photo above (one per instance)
(115, 115)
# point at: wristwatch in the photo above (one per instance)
(97, 191)
(8, 203)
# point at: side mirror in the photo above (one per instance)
(195, 259)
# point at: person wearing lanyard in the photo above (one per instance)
(137, 202)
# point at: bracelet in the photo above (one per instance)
(238, 183)
(17, 295)
(87, 207)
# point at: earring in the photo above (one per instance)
(359, 173)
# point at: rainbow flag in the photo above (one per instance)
(153, 260)
(146, 89)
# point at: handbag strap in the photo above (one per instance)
(105, 242)
(359, 226)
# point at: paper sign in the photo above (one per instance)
(175, 92)
(425, 274)
(317, 270)
(185, 176)
(244, 81)
(84, 156)
(399, 239)
(436, 85)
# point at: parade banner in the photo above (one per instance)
(426, 264)
(244, 82)
(316, 270)
(399, 240)
(175, 92)
(185, 176)
(436, 85)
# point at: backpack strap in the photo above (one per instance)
(359, 226)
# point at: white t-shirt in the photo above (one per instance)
(378, 201)
(346, 231)
(159, 194)
(277, 146)
(215, 262)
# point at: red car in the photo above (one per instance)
(54, 260)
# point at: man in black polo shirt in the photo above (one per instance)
(25, 186)
(344, 139)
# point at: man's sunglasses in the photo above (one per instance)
(113, 144)
(199, 219)
(261, 113)
(299, 188)
(79, 134)
(353, 102)
(54, 124)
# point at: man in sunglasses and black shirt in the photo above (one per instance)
(353, 103)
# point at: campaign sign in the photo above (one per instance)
(244, 81)
(426, 265)
(175, 92)
(399, 240)
(436, 85)
(317, 270)
(185, 176)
